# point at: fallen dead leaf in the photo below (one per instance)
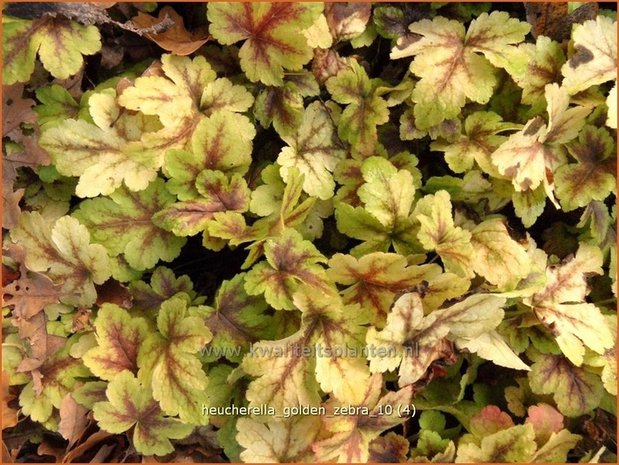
(73, 420)
(176, 39)
(9, 415)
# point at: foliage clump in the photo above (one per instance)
(309, 232)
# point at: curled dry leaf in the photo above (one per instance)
(176, 38)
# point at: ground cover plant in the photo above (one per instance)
(309, 232)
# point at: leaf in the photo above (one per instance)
(365, 109)
(528, 155)
(290, 262)
(489, 421)
(557, 447)
(529, 205)
(73, 420)
(560, 306)
(223, 95)
(221, 142)
(546, 58)
(347, 20)
(314, 150)
(482, 138)
(575, 391)
(58, 375)
(175, 39)
(491, 346)
(593, 177)
(168, 362)
(390, 448)
(497, 257)
(388, 193)
(30, 294)
(438, 232)
(130, 405)
(276, 441)
(283, 106)
(218, 194)
(125, 223)
(413, 342)
(64, 252)
(595, 55)
(163, 285)
(515, 444)
(352, 433)
(102, 155)
(385, 220)
(546, 421)
(326, 350)
(273, 36)
(59, 42)
(374, 280)
(16, 110)
(173, 98)
(236, 319)
(119, 338)
(450, 69)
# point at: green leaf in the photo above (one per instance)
(451, 71)
(223, 95)
(529, 205)
(325, 351)
(364, 111)
(557, 447)
(272, 34)
(593, 177)
(236, 320)
(125, 223)
(594, 60)
(516, 444)
(388, 193)
(119, 338)
(168, 362)
(438, 232)
(284, 441)
(56, 105)
(315, 150)
(64, 252)
(482, 138)
(575, 390)
(175, 98)
(374, 280)
(290, 262)
(496, 256)
(59, 42)
(353, 432)
(221, 142)
(545, 60)
(104, 155)
(283, 106)
(130, 404)
(163, 285)
(218, 194)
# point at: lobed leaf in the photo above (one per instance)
(272, 34)
(125, 223)
(130, 405)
